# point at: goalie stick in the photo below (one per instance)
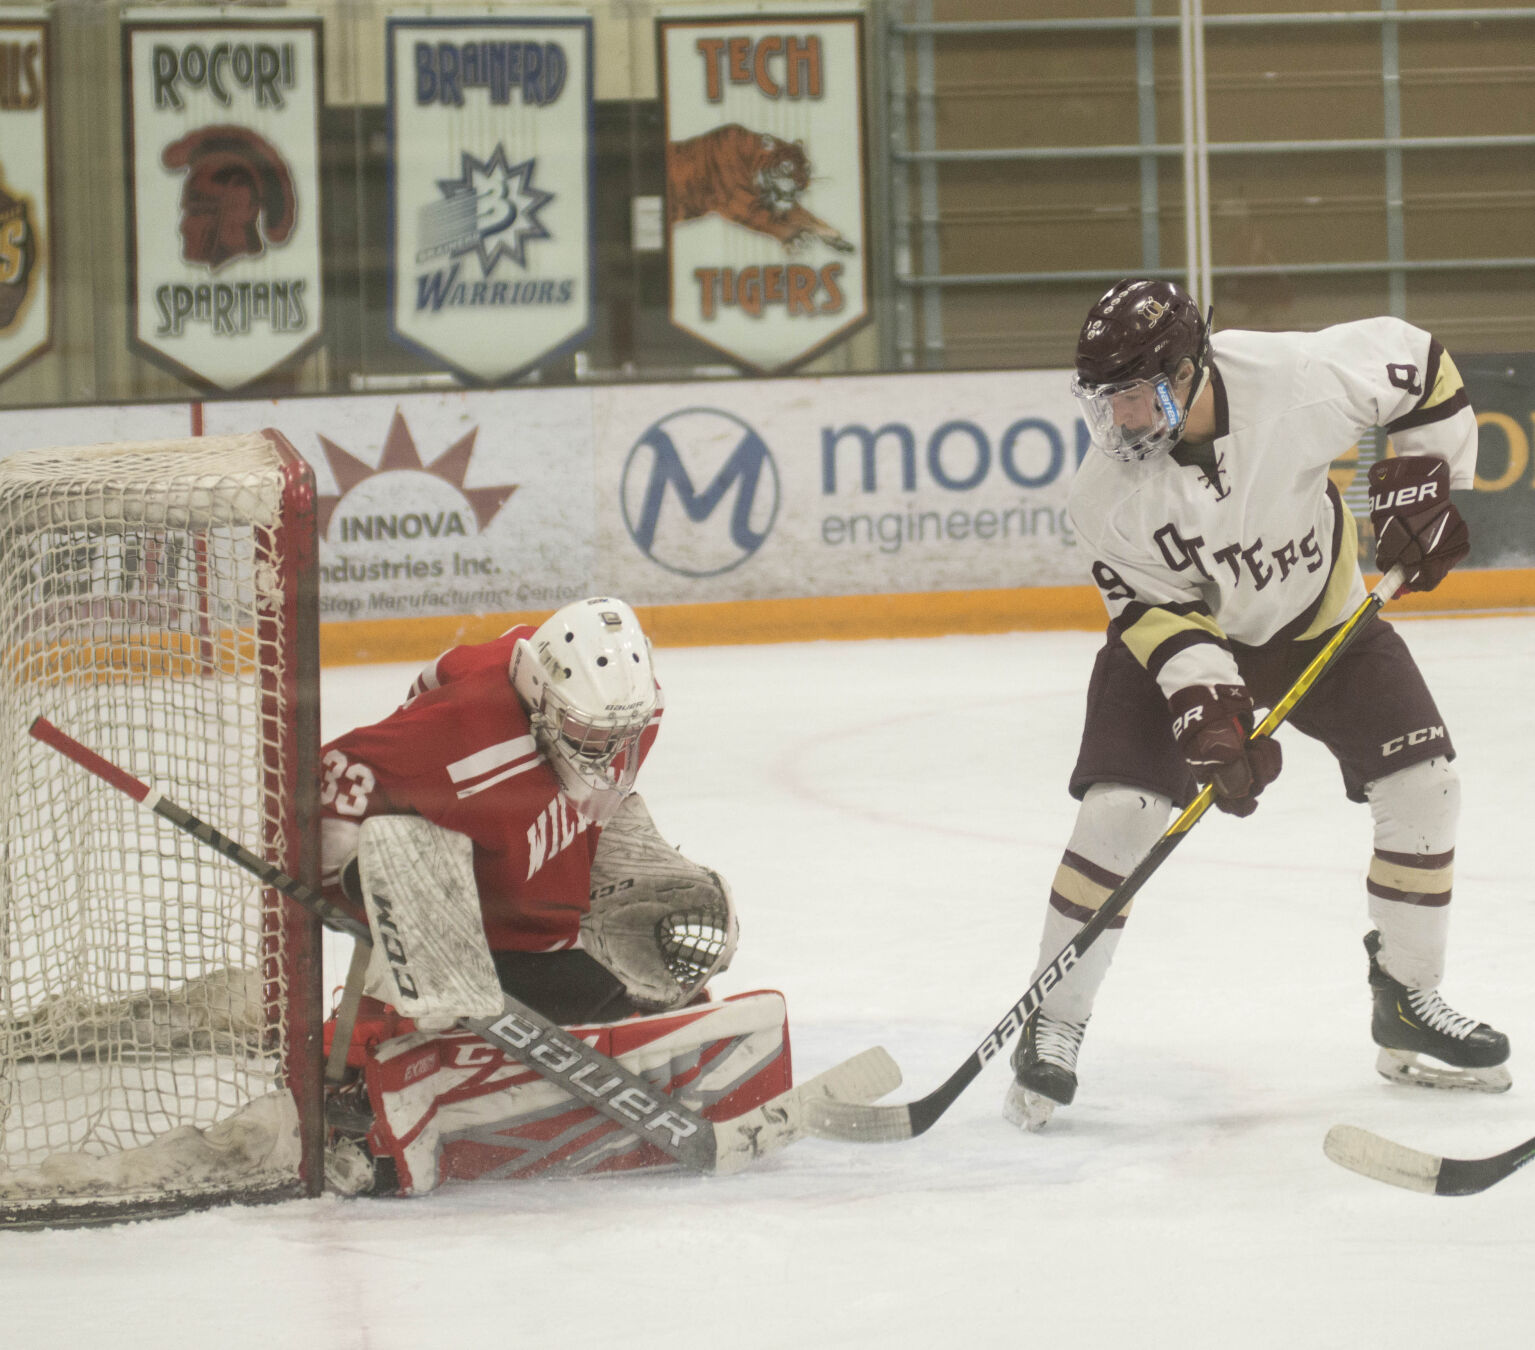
(1372, 1156)
(861, 1122)
(527, 1036)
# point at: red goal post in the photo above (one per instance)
(159, 1009)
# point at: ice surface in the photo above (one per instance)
(890, 815)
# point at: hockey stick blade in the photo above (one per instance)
(860, 1123)
(526, 1035)
(1380, 1159)
(778, 1123)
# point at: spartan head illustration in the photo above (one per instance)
(238, 195)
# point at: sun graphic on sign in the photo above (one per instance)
(400, 454)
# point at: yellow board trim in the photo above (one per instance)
(152, 654)
(844, 618)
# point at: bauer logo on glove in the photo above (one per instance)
(1417, 526)
(1211, 724)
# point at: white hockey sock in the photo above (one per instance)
(1412, 871)
(1115, 828)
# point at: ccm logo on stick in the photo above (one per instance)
(1417, 737)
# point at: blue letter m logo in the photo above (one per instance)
(744, 467)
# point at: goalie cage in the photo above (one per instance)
(159, 1009)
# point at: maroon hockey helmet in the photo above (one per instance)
(1132, 344)
(1139, 329)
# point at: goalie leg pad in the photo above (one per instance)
(451, 1107)
(430, 958)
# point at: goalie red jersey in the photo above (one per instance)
(461, 752)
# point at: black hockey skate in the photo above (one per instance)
(1044, 1070)
(1412, 1022)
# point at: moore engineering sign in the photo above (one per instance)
(854, 486)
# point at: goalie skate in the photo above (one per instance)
(1411, 1024)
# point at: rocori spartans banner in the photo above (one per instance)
(491, 233)
(26, 276)
(767, 226)
(222, 128)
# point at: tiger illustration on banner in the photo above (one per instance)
(751, 178)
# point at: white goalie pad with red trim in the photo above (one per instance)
(450, 1107)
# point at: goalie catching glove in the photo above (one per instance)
(662, 924)
(1211, 724)
(1417, 526)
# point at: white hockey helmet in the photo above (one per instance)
(586, 680)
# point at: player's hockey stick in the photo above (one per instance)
(527, 1036)
(1372, 1156)
(864, 1123)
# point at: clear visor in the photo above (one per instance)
(1131, 420)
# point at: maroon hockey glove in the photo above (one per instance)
(1416, 523)
(1211, 725)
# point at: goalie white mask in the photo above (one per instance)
(586, 680)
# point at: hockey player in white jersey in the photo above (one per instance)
(1226, 558)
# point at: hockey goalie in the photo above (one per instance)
(489, 828)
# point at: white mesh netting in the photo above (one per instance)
(142, 976)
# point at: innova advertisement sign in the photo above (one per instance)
(442, 504)
(490, 203)
(767, 224)
(222, 132)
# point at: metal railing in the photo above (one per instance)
(920, 35)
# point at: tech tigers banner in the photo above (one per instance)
(222, 125)
(26, 288)
(490, 212)
(767, 222)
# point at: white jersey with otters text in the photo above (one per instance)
(1244, 538)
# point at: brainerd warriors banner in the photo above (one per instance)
(222, 126)
(765, 183)
(491, 208)
(26, 300)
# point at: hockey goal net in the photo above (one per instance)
(159, 1009)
